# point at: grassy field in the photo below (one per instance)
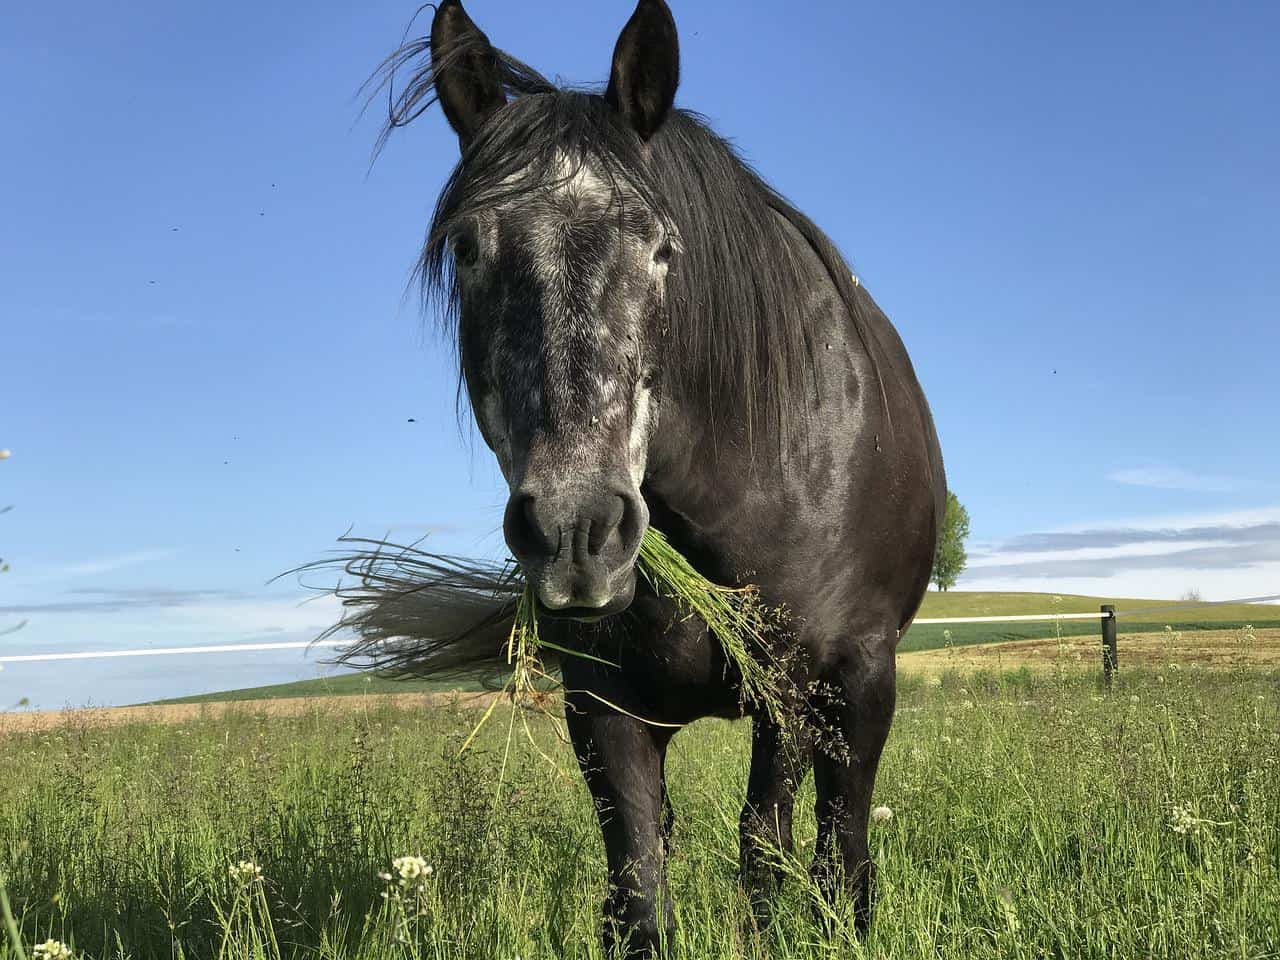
(955, 603)
(1034, 815)
(1214, 649)
(973, 603)
(1180, 616)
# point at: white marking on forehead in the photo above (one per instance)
(567, 176)
(568, 282)
(579, 178)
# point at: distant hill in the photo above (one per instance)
(1133, 616)
(973, 603)
(1180, 615)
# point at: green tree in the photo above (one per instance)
(950, 558)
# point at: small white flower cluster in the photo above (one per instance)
(52, 950)
(406, 891)
(881, 814)
(410, 875)
(1183, 819)
(245, 872)
(411, 868)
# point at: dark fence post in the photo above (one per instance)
(1109, 657)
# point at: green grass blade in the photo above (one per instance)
(11, 925)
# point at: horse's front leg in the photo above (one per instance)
(779, 760)
(621, 759)
(859, 710)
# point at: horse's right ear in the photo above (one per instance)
(646, 68)
(465, 70)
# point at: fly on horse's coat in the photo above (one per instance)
(649, 333)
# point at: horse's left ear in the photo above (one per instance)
(646, 68)
(465, 68)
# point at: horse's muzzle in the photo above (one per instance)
(577, 548)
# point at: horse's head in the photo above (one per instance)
(559, 266)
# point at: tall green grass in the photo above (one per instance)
(1033, 816)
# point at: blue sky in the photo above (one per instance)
(208, 365)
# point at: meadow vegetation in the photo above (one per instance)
(1187, 618)
(1030, 814)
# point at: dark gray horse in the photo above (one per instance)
(649, 333)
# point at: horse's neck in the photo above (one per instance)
(705, 474)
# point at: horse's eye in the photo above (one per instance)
(663, 253)
(465, 249)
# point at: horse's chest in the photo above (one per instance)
(667, 668)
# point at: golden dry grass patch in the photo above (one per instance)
(1208, 648)
(177, 713)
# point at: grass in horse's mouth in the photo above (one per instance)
(742, 623)
(421, 614)
(736, 615)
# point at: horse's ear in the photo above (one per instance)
(465, 69)
(646, 68)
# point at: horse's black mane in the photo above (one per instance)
(739, 294)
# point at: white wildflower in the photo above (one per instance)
(411, 868)
(1182, 820)
(881, 815)
(245, 872)
(52, 950)
(407, 891)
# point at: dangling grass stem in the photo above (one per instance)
(736, 616)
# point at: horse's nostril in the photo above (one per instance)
(608, 518)
(525, 534)
(631, 525)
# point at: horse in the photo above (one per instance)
(648, 333)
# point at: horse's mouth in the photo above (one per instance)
(617, 604)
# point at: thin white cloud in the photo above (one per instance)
(1223, 556)
(1164, 477)
(201, 617)
(1002, 556)
(101, 565)
(1169, 583)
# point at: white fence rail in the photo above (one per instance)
(305, 645)
(1106, 615)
